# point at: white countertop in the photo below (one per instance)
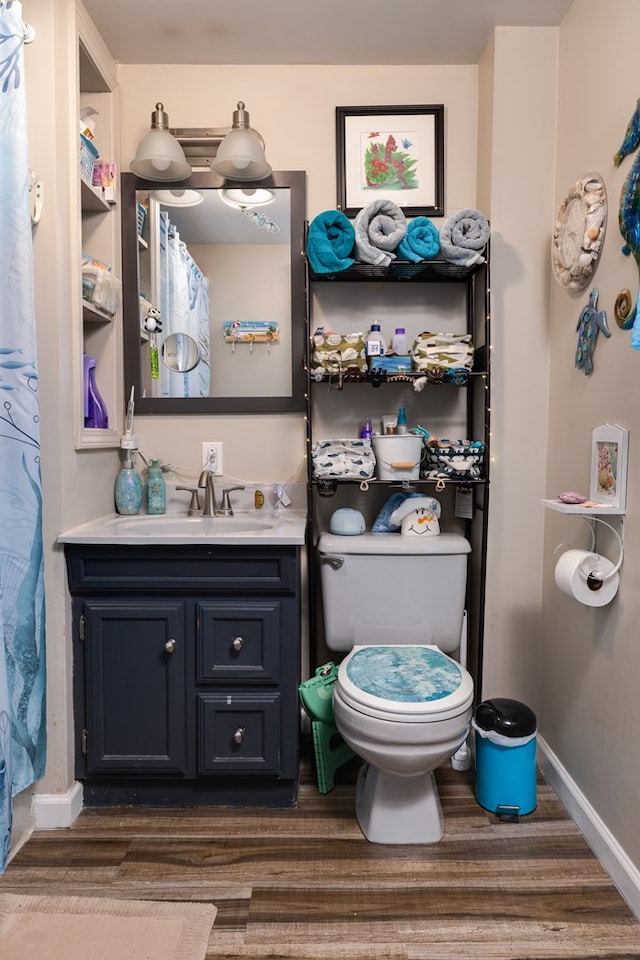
(286, 527)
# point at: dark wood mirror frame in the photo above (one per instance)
(295, 180)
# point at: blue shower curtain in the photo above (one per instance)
(184, 308)
(22, 652)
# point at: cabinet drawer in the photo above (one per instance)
(181, 569)
(239, 733)
(239, 641)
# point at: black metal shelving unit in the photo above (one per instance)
(476, 283)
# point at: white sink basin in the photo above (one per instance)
(243, 529)
(192, 526)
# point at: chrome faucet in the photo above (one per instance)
(206, 483)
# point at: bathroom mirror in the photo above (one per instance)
(214, 294)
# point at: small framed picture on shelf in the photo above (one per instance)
(609, 453)
(391, 153)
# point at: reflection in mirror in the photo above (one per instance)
(215, 286)
(180, 352)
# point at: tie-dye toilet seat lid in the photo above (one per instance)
(405, 679)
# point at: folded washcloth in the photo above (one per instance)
(421, 241)
(463, 237)
(379, 227)
(330, 242)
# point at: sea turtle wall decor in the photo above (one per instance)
(590, 323)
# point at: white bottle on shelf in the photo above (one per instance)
(375, 343)
(399, 342)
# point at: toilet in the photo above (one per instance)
(394, 605)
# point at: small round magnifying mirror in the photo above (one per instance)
(180, 352)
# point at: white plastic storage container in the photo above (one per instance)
(398, 456)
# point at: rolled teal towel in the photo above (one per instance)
(421, 241)
(330, 242)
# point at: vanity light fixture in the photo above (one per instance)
(159, 155)
(234, 153)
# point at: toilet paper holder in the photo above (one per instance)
(596, 578)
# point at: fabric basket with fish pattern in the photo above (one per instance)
(343, 459)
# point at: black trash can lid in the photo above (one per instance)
(507, 717)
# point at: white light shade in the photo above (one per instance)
(159, 155)
(178, 198)
(241, 156)
(243, 197)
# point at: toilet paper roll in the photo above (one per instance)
(572, 573)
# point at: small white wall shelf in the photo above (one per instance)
(588, 509)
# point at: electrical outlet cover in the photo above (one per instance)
(212, 457)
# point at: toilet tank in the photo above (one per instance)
(386, 588)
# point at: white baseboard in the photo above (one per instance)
(604, 845)
(52, 811)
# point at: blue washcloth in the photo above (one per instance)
(330, 242)
(463, 237)
(421, 241)
(379, 227)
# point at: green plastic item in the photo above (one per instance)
(331, 752)
(316, 693)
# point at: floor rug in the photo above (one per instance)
(90, 928)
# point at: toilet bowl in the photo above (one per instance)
(394, 606)
(404, 709)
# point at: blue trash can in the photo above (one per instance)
(505, 742)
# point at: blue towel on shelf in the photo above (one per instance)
(421, 241)
(463, 238)
(379, 227)
(330, 242)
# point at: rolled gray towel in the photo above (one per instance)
(463, 238)
(379, 228)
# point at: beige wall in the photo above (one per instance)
(515, 176)
(591, 658)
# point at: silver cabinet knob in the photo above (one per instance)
(237, 643)
(170, 646)
(239, 735)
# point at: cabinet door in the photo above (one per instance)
(135, 687)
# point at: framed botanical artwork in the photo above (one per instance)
(609, 454)
(391, 153)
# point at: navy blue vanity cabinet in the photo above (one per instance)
(186, 669)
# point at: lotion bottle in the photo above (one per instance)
(375, 343)
(402, 425)
(156, 490)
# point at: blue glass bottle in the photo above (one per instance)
(128, 489)
(156, 490)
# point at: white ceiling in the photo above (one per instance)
(303, 31)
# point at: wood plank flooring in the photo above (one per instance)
(303, 884)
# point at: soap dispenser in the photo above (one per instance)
(156, 490)
(128, 488)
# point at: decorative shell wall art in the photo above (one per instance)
(579, 232)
